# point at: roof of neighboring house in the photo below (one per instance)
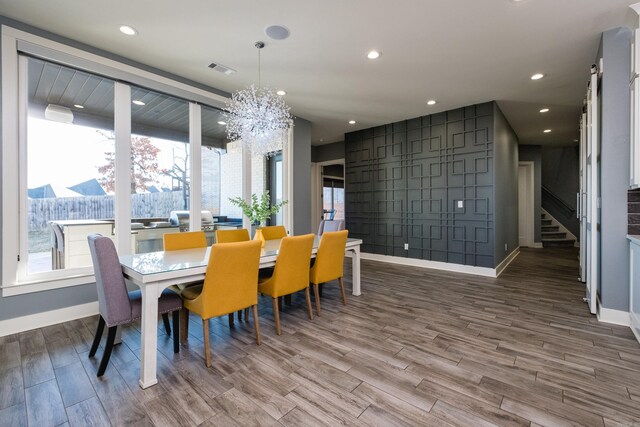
(89, 188)
(48, 190)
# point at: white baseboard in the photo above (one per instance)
(47, 318)
(537, 245)
(616, 317)
(635, 325)
(438, 265)
(505, 262)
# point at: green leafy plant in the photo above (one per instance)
(258, 210)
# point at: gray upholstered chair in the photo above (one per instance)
(117, 306)
(330, 225)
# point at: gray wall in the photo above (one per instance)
(561, 177)
(505, 149)
(327, 152)
(533, 153)
(301, 176)
(614, 178)
(403, 181)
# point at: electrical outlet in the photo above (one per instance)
(460, 204)
(406, 246)
(505, 247)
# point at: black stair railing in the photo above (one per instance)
(550, 197)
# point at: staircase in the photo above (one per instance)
(552, 236)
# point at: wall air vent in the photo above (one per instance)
(221, 68)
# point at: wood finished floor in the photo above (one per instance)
(419, 347)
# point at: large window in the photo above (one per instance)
(96, 146)
(69, 117)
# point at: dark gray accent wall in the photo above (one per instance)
(301, 176)
(403, 182)
(327, 152)
(533, 153)
(505, 170)
(561, 182)
(614, 173)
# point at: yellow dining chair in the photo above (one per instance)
(230, 285)
(184, 240)
(274, 232)
(290, 274)
(230, 236)
(329, 263)
(176, 242)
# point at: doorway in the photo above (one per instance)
(526, 221)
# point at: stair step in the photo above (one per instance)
(558, 243)
(554, 235)
(546, 221)
(548, 228)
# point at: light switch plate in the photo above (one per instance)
(460, 204)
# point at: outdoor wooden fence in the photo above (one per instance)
(146, 205)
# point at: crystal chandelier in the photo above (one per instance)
(258, 118)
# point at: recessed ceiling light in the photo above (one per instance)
(374, 54)
(352, 122)
(575, 140)
(78, 106)
(137, 102)
(544, 110)
(537, 76)
(547, 130)
(130, 31)
(281, 93)
(222, 123)
(431, 102)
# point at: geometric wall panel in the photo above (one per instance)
(403, 182)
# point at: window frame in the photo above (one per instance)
(15, 43)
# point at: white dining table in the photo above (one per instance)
(152, 272)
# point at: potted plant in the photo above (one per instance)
(258, 210)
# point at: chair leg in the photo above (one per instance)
(165, 320)
(246, 314)
(344, 296)
(184, 325)
(207, 348)
(276, 315)
(96, 340)
(176, 331)
(239, 315)
(317, 296)
(308, 297)
(256, 323)
(230, 319)
(111, 337)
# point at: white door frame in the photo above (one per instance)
(582, 199)
(593, 196)
(528, 236)
(316, 189)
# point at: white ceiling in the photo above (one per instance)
(459, 52)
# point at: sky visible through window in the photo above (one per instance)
(64, 155)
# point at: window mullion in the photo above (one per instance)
(195, 180)
(122, 208)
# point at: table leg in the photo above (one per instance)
(149, 336)
(355, 267)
